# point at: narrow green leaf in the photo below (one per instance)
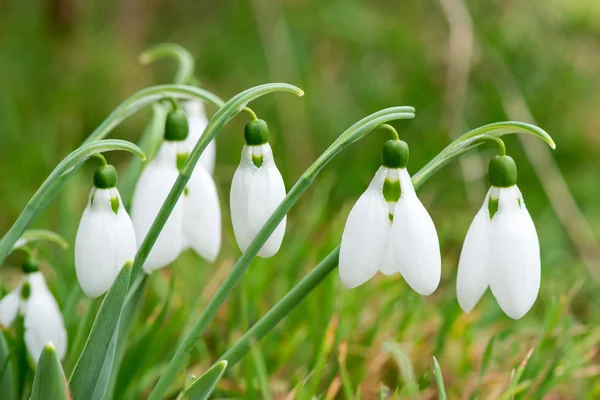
(439, 379)
(8, 390)
(91, 376)
(49, 381)
(202, 387)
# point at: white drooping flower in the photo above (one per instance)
(105, 239)
(195, 221)
(257, 190)
(389, 230)
(501, 249)
(42, 319)
(197, 122)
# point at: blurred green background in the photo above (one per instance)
(66, 64)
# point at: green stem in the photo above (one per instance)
(185, 61)
(391, 129)
(34, 235)
(354, 133)
(252, 113)
(64, 167)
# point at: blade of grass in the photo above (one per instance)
(439, 379)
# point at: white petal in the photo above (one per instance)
(515, 268)
(43, 320)
(105, 241)
(389, 266)
(473, 266)
(197, 122)
(365, 241)
(267, 191)
(9, 307)
(414, 241)
(238, 199)
(202, 215)
(151, 191)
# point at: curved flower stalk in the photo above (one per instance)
(501, 249)
(389, 230)
(185, 61)
(33, 301)
(351, 135)
(256, 190)
(34, 235)
(105, 238)
(196, 218)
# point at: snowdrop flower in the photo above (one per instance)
(196, 219)
(42, 319)
(197, 122)
(105, 239)
(257, 190)
(501, 249)
(389, 230)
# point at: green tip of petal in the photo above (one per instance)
(49, 347)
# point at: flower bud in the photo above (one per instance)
(256, 132)
(105, 177)
(395, 154)
(503, 171)
(176, 126)
(30, 265)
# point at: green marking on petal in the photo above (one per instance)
(492, 207)
(391, 217)
(519, 201)
(391, 190)
(181, 159)
(25, 291)
(257, 160)
(186, 192)
(114, 204)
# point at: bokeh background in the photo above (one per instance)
(65, 64)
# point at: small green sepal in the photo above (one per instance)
(492, 207)
(256, 132)
(30, 266)
(503, 171)
(176, 126)
(395, 154)
(105, 177)
(114, 204)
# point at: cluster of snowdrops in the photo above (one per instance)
(388, 230)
